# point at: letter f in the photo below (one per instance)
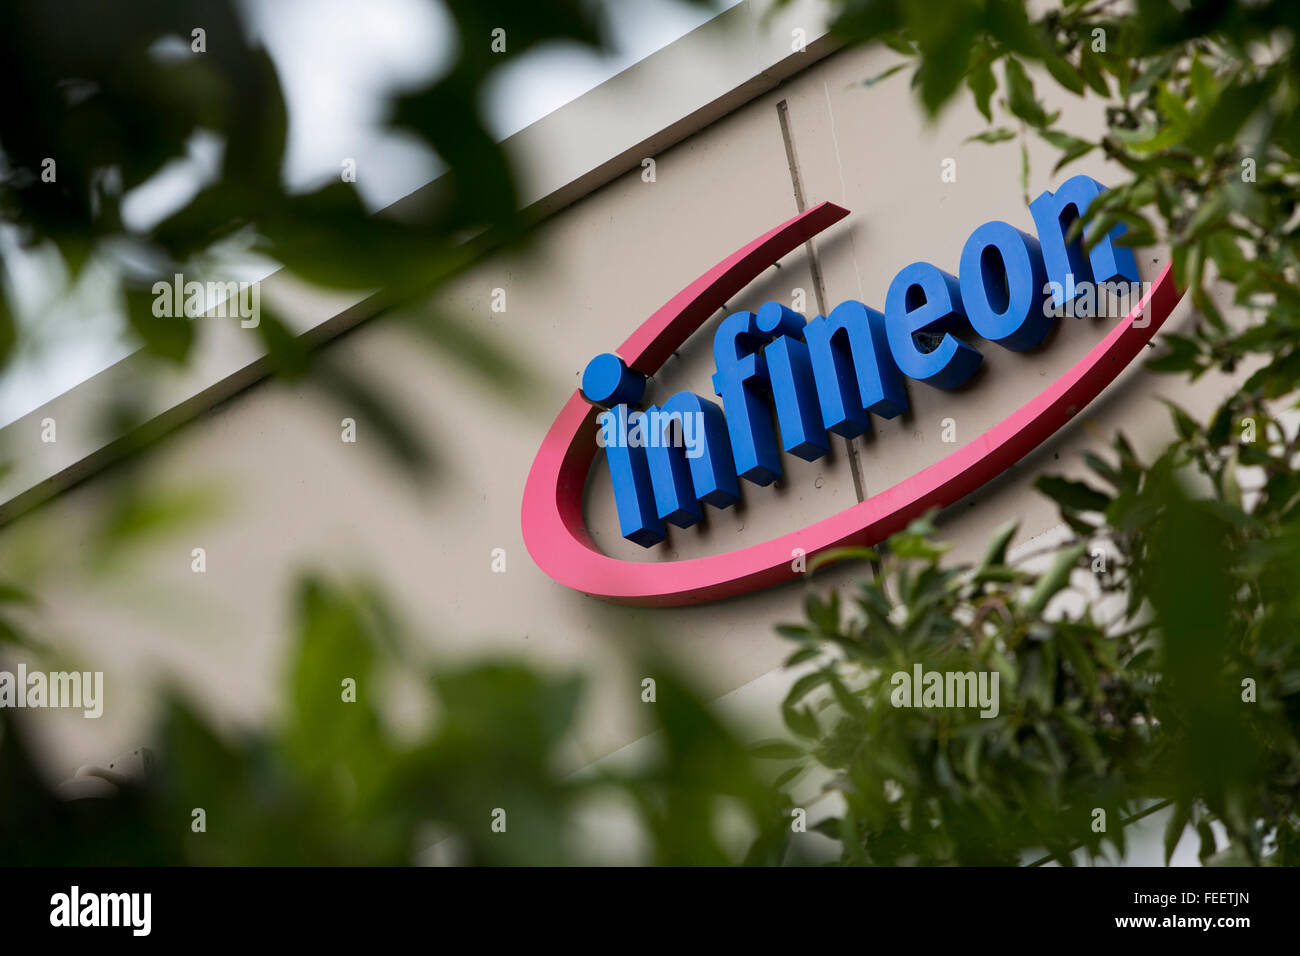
(741, 382)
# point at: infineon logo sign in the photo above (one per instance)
(819, 377)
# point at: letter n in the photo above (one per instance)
(1053, 215)
(854, 370)
(679, 483)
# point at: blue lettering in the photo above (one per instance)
(741, 381)
(830, 374)
(925, 299)
(1002, 279)
(1066, 264)
(854, 371)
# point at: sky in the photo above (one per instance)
(336, 60)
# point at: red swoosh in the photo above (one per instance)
(553, 527)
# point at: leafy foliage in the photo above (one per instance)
(1189, 692)
(1121, 683)
(111, 98)
(334, 782)
(1072, 730)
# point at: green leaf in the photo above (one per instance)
(945, 35)
(1092, 72)
(1102, 467)
(1173, 108)
(1074, 495)
(848, 701)
(1227, 255)
(168, 336)
(841, 554)
(1220, 425)
(801, 721)
(1204, 87)
(1184, 355)
(8, 327)
(996, 552)
(787, 775)
(1024, 170)
(776, 750)
(136, 516)
(1071, 147)
(831, 827)
(806, 684)
(1221, 123)
(1155, 71)
(1057, 578)
(802, 656)
(982, 85)
(1185, 425)
(1178, 820)
(1064, 73)
(1208, 845)
(1008, 22)
(1020, 95)
(883, 74)
(798, 632)
(12, 594)
(1210, 212)
(999, 134)
(1085, 671)
(824, 615)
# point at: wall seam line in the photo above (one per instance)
(819, 287)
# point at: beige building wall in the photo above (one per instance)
(295, 497)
